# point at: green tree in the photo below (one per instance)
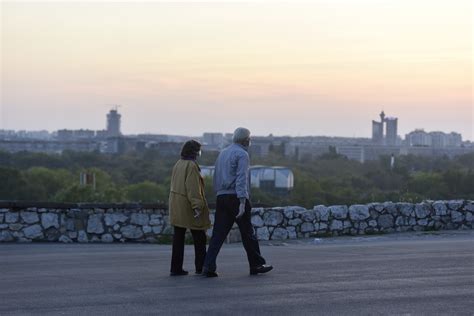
(146, 192)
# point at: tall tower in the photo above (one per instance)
(113, 123)
(382, 117)
(377, 132)
(377, 129)
(391, 134)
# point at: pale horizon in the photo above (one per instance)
(325, 68)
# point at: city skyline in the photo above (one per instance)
(303, 69)
(380, 134)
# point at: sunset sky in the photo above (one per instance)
(305, 68)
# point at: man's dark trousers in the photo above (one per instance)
(227, 207)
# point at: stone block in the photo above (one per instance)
(457, 217)
(11, 217)
(347, 224)
(440, 208)
(422, 222)
(322, 227)
(338, 211)
(257, 221)
(112, 219)
(307, 227)
(15, 226)
(294, 222)
(94, 224)
(49, 220)
(82, 237)
(29, 217)
(131, 232)
(279, 233)
(157, 229)
(33, 232)
(107, 238)
(140, 219)
(390, 208)
(422, 210)
(385, 221)
(455, 204)
(291, 232)
(52, 234)
(401, 221)
(469, 206)
(406, 209)
(289, 212)
(263, 233)
(336, 225)
(469, 217)
(323, 212)
(359, 212)
(65, 239)
(362, 226)
(273, 218)
(156, 219)
(6, 236)
(308, 216)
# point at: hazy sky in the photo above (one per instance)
(314, 68)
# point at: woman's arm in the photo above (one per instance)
(193, 188)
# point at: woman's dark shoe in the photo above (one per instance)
(264, 268)
(178, 273)
(210, 274)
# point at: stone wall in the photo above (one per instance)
(149, 223)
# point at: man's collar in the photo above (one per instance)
(242, 146)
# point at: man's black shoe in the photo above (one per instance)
(264, 268)
(210, 274)
(198, 272)
(178, 273)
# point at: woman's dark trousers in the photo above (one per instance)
(227, 207)
(199, 238)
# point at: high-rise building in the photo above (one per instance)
(377, 132)
(391, 131)
(438, 139)
(418, 138)
(113, 123)
(390, 137)
(454, 139)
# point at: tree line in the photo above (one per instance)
(145, 177)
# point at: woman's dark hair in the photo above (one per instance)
(190, 149)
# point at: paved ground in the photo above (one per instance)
(407, 274)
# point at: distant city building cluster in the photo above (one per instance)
(421, 138)
(384, 141)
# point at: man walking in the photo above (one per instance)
(232, 185)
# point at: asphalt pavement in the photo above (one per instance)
(409, 274)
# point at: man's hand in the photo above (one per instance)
(197, 212)
(241, 208)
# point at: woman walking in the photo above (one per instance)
(188, 208)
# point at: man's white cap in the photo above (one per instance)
(240, 134)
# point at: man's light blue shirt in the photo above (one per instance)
(231, 173)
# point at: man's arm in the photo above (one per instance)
(241, 182)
